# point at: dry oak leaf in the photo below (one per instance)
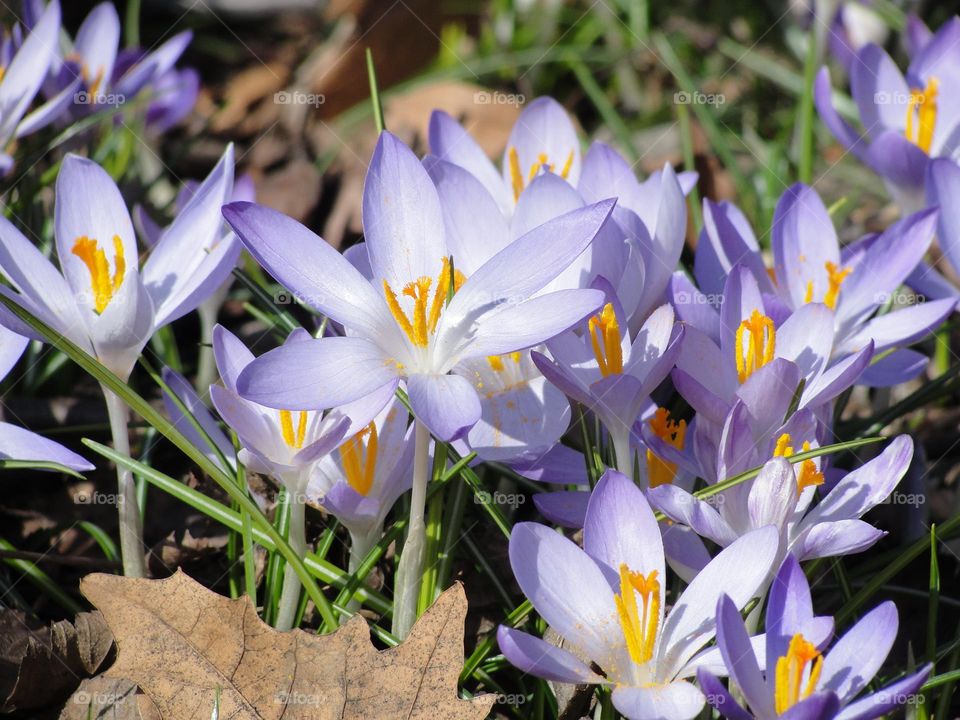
(180, 642)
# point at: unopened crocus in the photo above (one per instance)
(18, 443)
(417, 319)
(800, 675)
(907, 118)
(809, 266)
(607, 601)
(285, 444)
(101, 299)
(781, 496)
(23, 69)
(610, 374)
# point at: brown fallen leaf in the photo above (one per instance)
(108, 699)
(181, 642)
(42, 665)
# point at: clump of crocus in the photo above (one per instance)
(415, 318)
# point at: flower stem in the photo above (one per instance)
(131, 525)
(407, 585)
(297, 538)
(206, 363)
(623, 451)
(360, 545)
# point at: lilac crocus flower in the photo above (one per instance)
(17, 443)
(810, 266)
(799, 677)
(650, 217)
(610, 374)
(99, 298)
(107, 77)
(286, 444)
(400, 325)
(755, 330)
(22, 72)
(907, 118)
(607, 602)
(360, 482)
(782, 494)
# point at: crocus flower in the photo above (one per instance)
(286, 444)
(401, 325)
(781, 495)
(799, 677)
(907, 118)
(607, 602)
(360, 482)
(755, 332)
(22, 72)
(18, 443)
(108, 77)
(610, 374)
(99, 298)
(650, 216)
(809, 266)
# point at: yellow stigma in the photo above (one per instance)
(835, 277)
(103, 286)
(423, 324)
(755, 343)
(496, 361)
(789, 688)
(922, 115)
(605, 337)
(639, 624)
(3, 72)
(517, 181)
(808, 476)
(293, 440)
(358, 465)
(659, 471)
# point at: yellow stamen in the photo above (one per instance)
(360, 466)
(757, 351)
(421, 326)
(605, 337)
(808, 476)
(789, 689)
(496, 361)
(517, 181)
(659, 471)
(566, 166)
(3, 72)
(639, 626)
(103, 286)
(922, 115)
(292, 440)
(835, 277)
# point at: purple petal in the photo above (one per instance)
(738, 655)
(841, 129)
(543, 128)
(888, 698)
(540, 658)
(567, 508)
(316, 374)
(789, 608)
(449, 141)
(900, 366)
(676, 700)
(447, 404)
(17, 443)
(855, 658)
(720, 698)
(840, 537)
(687, 509)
